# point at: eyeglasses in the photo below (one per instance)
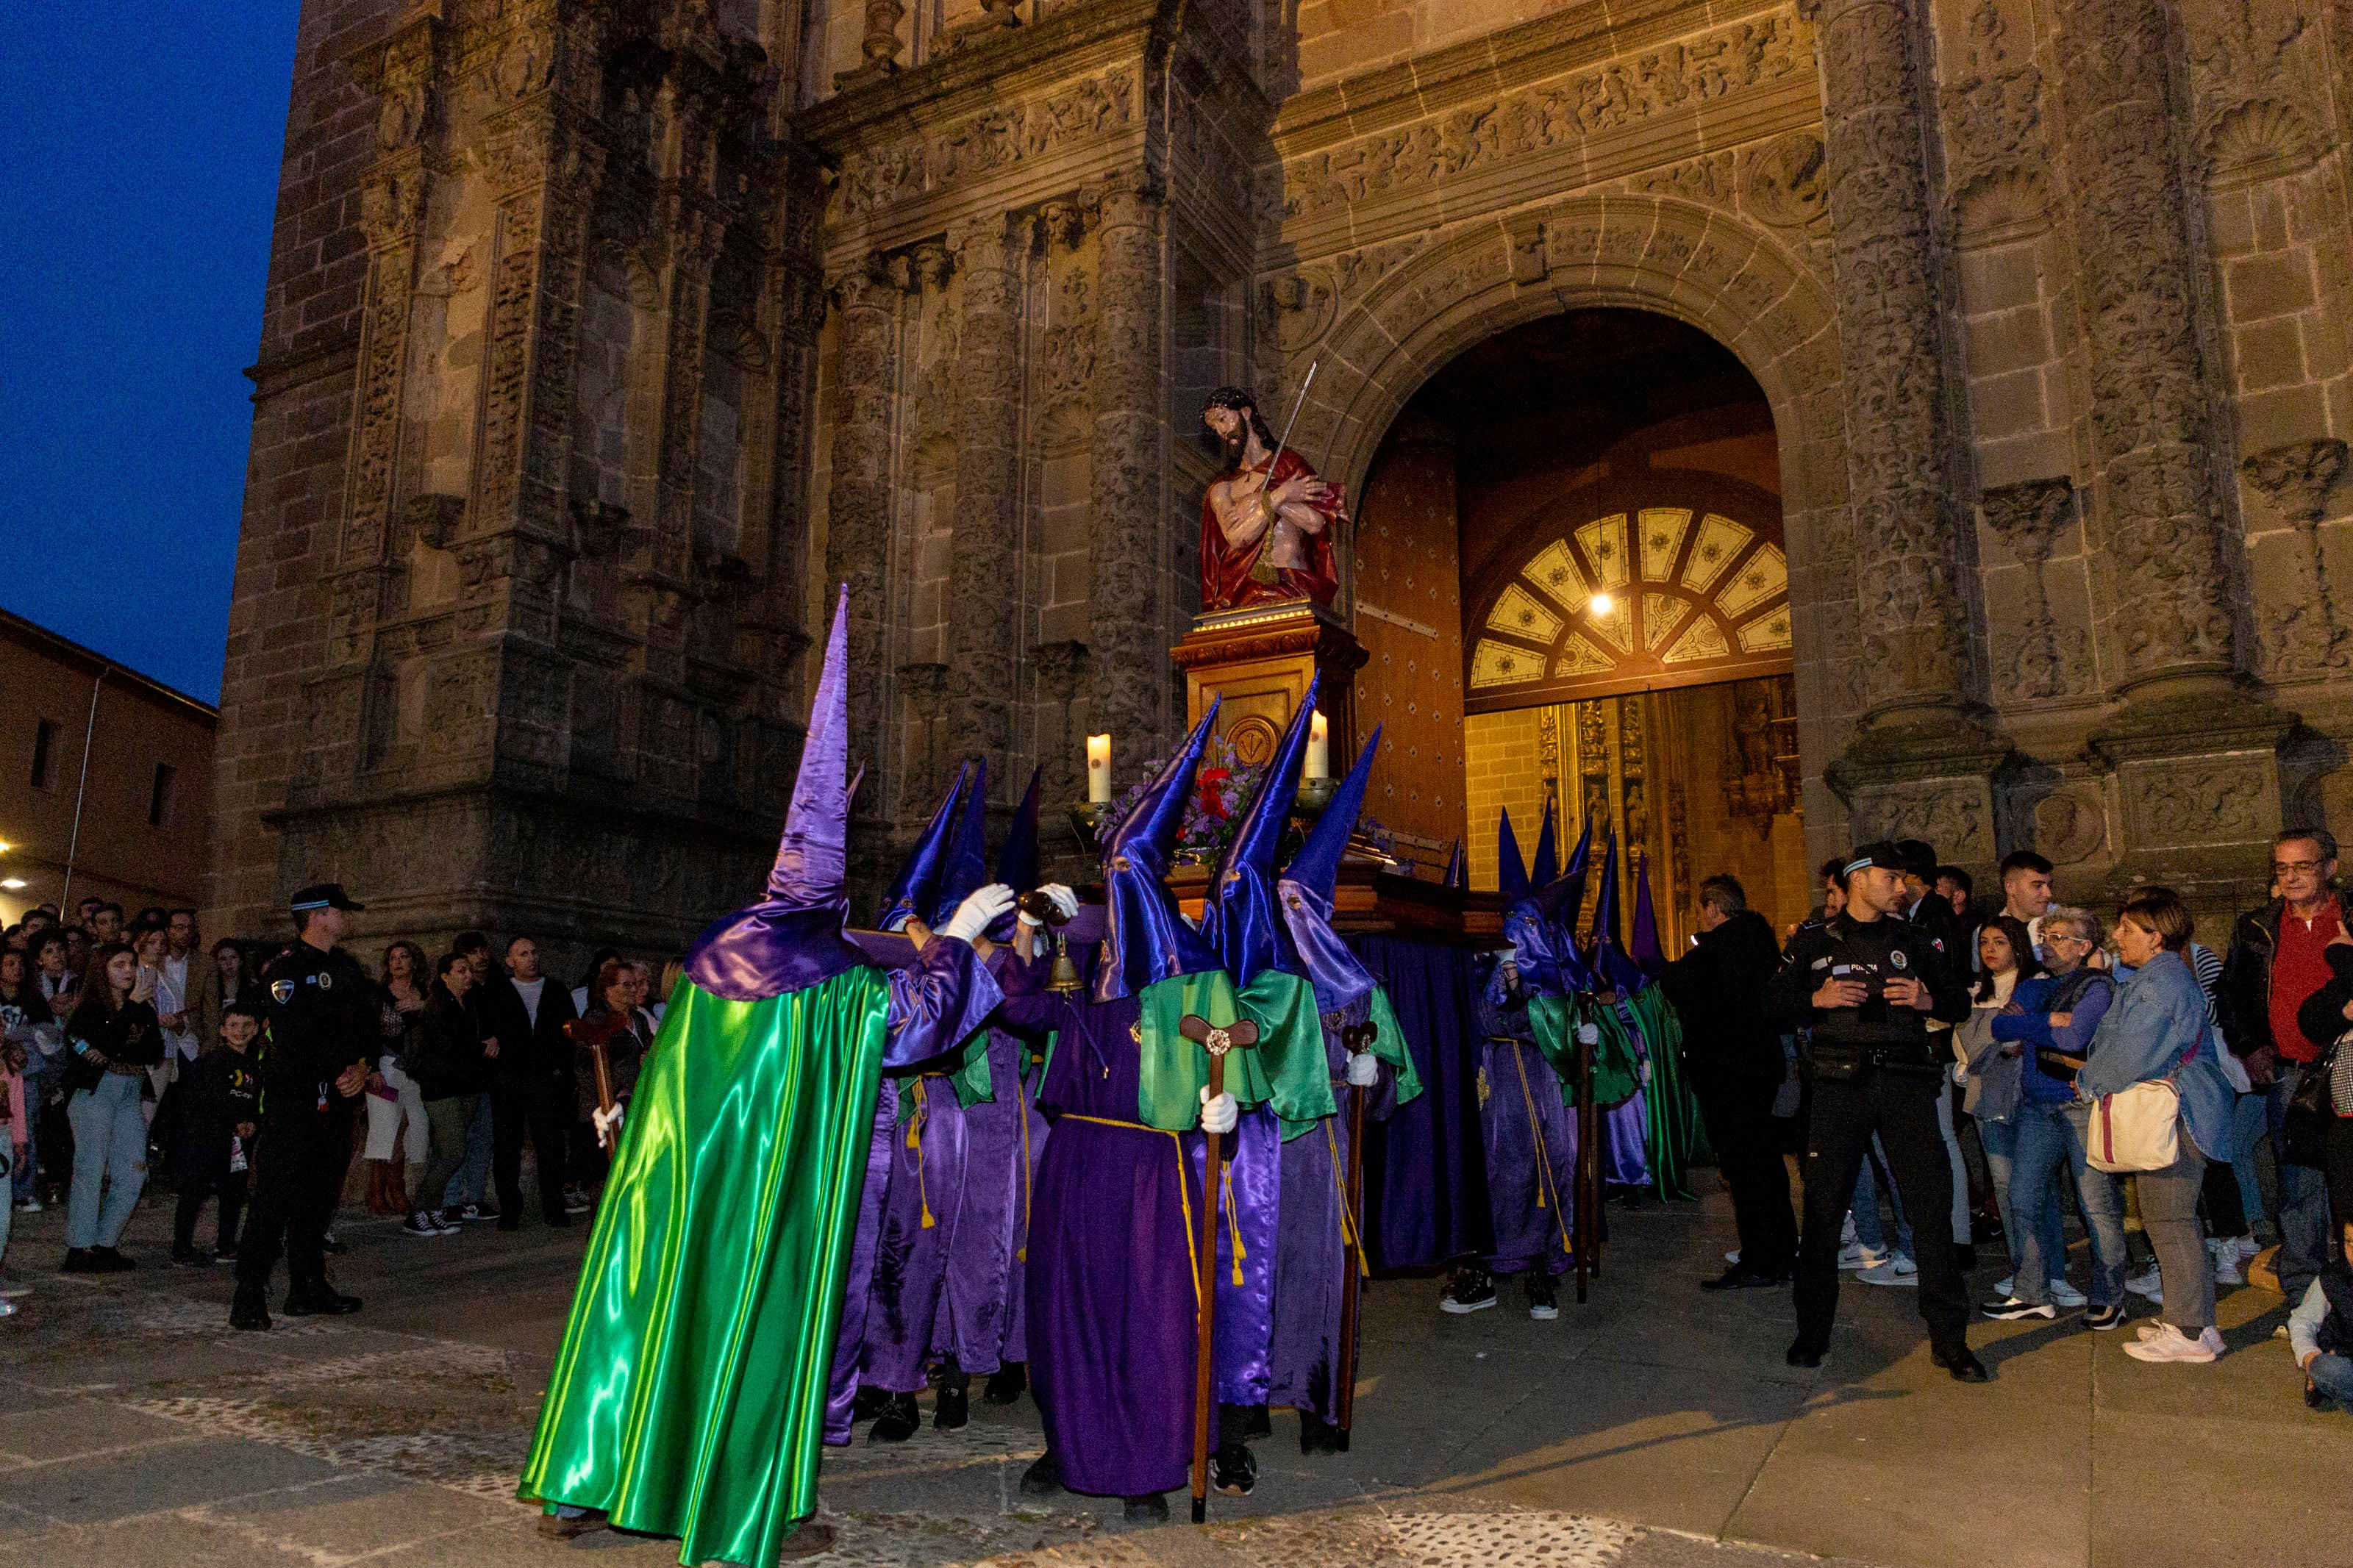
(2055, 937)
(2282, 868)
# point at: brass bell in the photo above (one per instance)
(1063, 978)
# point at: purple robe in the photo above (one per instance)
(1249, 1207)
(1626, 1126)
(1531, 1144)
(1110, 1274)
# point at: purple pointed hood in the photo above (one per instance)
(1511, 871)
(963, 869)
(1017, 858)
(1610, 964)
(1547, 868)
(917, 886)
(793, 938)
(1643, 946)
(1308, 884)
(1240, 921)
(1458, 874)
(1144, 939)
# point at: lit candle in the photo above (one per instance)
(1319, 748)
(1099, 770)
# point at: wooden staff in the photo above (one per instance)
(1586, 1189)
(1358, 1038)
(1216, 1042)
(598, 1036)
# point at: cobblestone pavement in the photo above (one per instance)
(1652, 1428)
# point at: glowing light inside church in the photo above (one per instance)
(1599, 604)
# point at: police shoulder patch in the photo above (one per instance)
(281, 992)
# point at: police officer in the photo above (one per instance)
(322, 1014)
(1865, 981)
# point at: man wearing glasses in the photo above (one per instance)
(2277, 959)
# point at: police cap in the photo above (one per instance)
(322, 896)
(1863, 857)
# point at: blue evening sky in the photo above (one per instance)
(139, 149)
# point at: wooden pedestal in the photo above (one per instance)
(1260, 661)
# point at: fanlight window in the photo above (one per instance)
(1654, 596)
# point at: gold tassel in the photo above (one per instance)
(915, 1141)
(1233, 1224)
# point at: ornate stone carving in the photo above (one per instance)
(1992, 112)
(2303, 631)
(2070, 825)
(982, 550)
(1083, 110)
(2026, 518)
(880, 45)
(1677, 76)
(1124, 628)
(857, 534)
(1296, 308)
(1954, 814)
(2257, 94)
(1788, 184)
(2155, 497)
(1889, 340)
(1708, 179)
(2199, 802)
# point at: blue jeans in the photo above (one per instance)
(2001, 1140)
(40, 1076)
(2247, 1118)
(109, 1128)
(2303, 1196)
(2050, 1141)
(1868, 1181)
(2333, 1375)
(473, 1178)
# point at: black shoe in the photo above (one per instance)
(189, 1257)
(1152, 1507)
(1804, 1352)
(2010, 1308)
(1543, 1300)
(1472, 1291)
(250, 1311)
(1043, 1478)
(869, 1401)
(319, 1299)
(1965, 1254)
(1963, 1365)
(1741, 1278)
(331, 1245)
(1318, 1436)
(79, 1260)
(226, 1252)
(900, 1420)
(1257, 1422)
(1007, 1383)
(509, 1221)
(2105, 1318)
(106, 1260)
(954, 1407)
(556, 1526)
(1233, 1470)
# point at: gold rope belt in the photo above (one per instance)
(1543, 1156)
(1183, 1189)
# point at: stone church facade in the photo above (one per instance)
(603, 336)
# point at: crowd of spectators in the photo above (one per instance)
(129, 1057)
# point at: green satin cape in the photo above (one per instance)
(1616, 1071)
(687, 1397)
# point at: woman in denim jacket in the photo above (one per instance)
(2158, 1029)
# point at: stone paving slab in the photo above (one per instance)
(1655, 1427)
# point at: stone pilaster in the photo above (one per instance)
(858, 507)
(1916, 660)
(982, 550)
(2154, 498)
(1126, 669)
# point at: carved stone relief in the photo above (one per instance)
(2036, 658)
(1954, 814)
(2304, 631)
(876, 177)
(2199, 802)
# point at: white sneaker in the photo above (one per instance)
(2247, 1245)
(2169, 1343)
(2149, 1284)
(2062, 1294)
(2006, 1286)
(2224, 1251)
(1733, 1257)
(1897, 1271)
(1854, 1255)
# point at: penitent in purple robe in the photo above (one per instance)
(1110, 1275)
(1530, 1139)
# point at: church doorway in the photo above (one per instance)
(1573, 586)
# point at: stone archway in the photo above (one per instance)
(1702, 266)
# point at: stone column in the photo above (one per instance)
(1126, 669)
(982, 565)
(858, 526)
(1914, 618)
(2154, 496)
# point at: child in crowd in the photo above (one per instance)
(2320, 1330)
(217, 1138)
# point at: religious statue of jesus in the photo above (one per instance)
(1266, 537)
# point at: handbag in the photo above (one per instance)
(2304, 1122)
(2136, 1129)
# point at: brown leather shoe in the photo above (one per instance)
(557, 1527)
(813, 1536)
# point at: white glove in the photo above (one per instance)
(1364, 1070)
(1220, 1115)
(1065, 903)
(608, 1127)
(1588, 1034)
(979, 913)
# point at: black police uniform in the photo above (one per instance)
(1873, 1067)
(323, 1017)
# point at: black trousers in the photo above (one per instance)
(543, 1112)
(1900, 1107)
(300, 1159)
(1738, 1113)
(206, 1175)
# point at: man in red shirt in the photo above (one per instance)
(2276, 961)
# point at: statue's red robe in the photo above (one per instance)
(1226, 579)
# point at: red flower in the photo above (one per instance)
(1213, 799)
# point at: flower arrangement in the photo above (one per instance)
(1223, 787)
